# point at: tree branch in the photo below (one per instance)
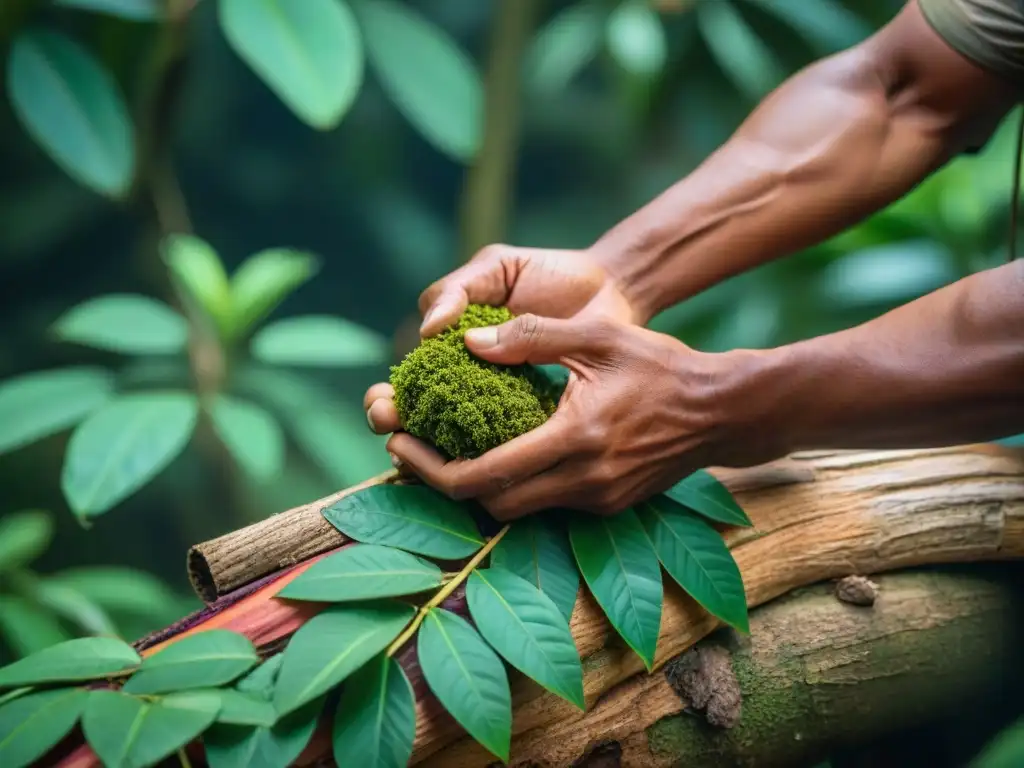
(490, 180)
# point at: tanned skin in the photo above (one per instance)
(835, 143)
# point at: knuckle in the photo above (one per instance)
(592, 436)
(498, 509)
(527, 328)
(491, 252)
(603, 477)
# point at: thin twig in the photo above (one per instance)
(446, 591)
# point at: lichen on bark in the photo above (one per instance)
(463, 405)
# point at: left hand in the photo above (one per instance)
(641, 411)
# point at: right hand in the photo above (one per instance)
(539, 281)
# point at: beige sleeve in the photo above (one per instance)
(989, 32)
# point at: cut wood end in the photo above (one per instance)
(200, 575)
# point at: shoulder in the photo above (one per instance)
(988, 32)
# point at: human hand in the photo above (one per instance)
(641, 411)
(551, 283)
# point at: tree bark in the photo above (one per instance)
(817, 516)
(816, 675)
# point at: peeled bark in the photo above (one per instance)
(817, 516)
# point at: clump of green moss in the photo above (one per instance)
(461, 404)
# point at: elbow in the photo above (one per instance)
(928, 87)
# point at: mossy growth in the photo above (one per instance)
(461, 404)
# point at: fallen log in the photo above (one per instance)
(816, 675)
(817, 516)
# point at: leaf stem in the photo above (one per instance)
(183, 759)
(445, 591)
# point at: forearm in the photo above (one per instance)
(943, 370)
(837, 142)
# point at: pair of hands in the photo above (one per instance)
(639, 411)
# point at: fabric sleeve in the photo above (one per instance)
(988, 32)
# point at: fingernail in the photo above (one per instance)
(369, 417)
(430, 316)
(395, 461)
(482, 338)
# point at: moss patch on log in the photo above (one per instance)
(461, 404)
(836, 675)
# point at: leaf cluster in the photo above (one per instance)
(310, 54)
(130, 423)
(382, 594)
(462, 404)
(38, 610)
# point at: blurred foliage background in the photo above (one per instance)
(363, 148)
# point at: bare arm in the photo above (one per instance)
(838, 141)
(943, 370)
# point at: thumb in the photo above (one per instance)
(540, 340)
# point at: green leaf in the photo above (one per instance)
(124, 445)
(14, 694)
(31, 725)
(121, 590)
(202, 660)
(253, 436)
(703, 494)
(827, 25)
(126, 323)
(84, 658)
(636, 38)
(415, 518)
(27, 627)
(539, 552)
(361, 572)
(1006, 750)
(24, 536)
(133, 10)
(332, 645)
(71, 107)
(741, 54)
(564, 46)
(428, 77)
(261, 681)
(68, 604)
(236, 746)
(128, 732)
(264, 280)
(240, 708)
(199, 276)
(621, 568)
(467, 678)
(524, 625)
(375, 722)
(695, 556)
(319, 340)
(309, 53)
(331, 432)
(41, 404)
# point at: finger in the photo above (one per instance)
(484, 280)
(382, 416)
(558, 487)
(376, 392)
(495, 471)
(532, 339)
(445, 311)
